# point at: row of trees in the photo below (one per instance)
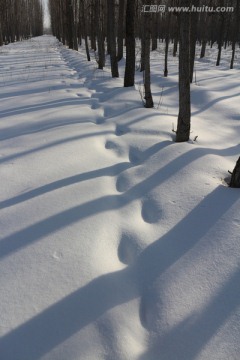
(20, 19)
(106, 25)
(73, 20)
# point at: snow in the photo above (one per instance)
(116, 242)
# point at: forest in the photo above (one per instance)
(107, 26)
(120, 177)
(111, 27)
(20, 19)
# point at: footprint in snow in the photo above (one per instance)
(99, 121)
(122, 183)
(121, 130)
(129, 248)
(95, 105)
(135, 155)
(151, 211)
(149, 311)
(111, 145)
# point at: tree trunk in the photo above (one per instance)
(193, 38)
(1, 37)
(129, 75)
(154, 31)
(147, 76)
(100, 38)
(69, 21)
(94, 23)
(227, 31)
(70, 25)
(203, 49)
(142, 38)
(108, 27)
(235, 178)
(82, 9)
(184, 115)
(142, 68)
(220, 39)
(120, 29)
(235, 33)
(167, 45)
(175, 45)
(112, 38)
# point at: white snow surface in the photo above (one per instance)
(116, 242)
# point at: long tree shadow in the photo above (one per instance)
(104, 204)
(107, 171)
(16, 131)
(53, 144)
(113, 170)
(53, 326)
(212, 102)
(192, 334)
(40, 89)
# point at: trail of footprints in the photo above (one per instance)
(130, 246)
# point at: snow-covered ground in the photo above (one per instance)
(116, 242)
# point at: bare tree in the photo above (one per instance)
(129, 75)
(82, 12)
(120, 29)
(167, 44)
(95, 6)
(235, 178)
(221, 33)
(193, 38)
(184, 115)
(100, 35)
(71, 33)
(235, 32)
(204, 32)
(154, 30)
(147, 76)
(112, 37)
(142, 65)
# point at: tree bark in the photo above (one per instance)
(147, 75)
(81, 5)
(120, 29)
(175, 45)
(235, 33)
(204, 28)
(167, 45)
(112, 38)
(129, 75)
(94, 23)
(184, 115)
(142, 68)
(72, 43)
(1, 37)
(235, 178)
(220, 38)
(100, 38)
(193, 38)
(154, 31)
(142, 38)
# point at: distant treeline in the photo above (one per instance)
(20, 19)
(213, 20)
